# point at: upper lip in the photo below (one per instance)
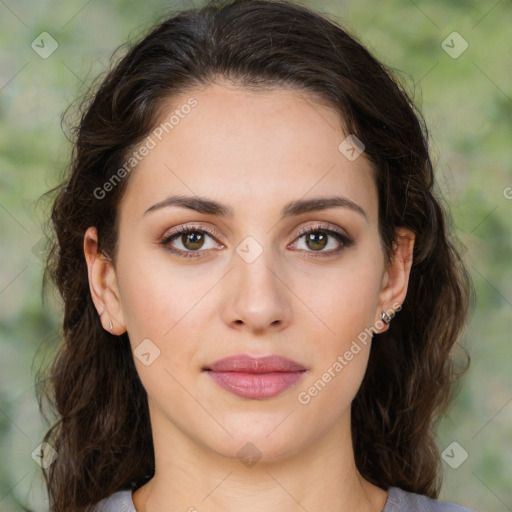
(249, 364)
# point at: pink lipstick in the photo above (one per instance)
(255, 378)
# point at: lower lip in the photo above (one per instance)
(256, 386)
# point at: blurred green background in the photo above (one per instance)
(467, 102)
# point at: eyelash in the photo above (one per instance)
(338, 235)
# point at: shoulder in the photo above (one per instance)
(398, 501)
(120, 501)
(403, 501)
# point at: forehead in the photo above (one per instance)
(248, 145)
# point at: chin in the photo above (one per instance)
(250, 445)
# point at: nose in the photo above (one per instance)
(256, 296)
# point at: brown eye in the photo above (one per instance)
(192, 240)
(317, 240)
(189, 242)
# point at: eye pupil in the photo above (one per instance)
(195, 238)
(318, 238)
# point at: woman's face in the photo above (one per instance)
(245, 281)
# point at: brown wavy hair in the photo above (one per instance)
(102, 434)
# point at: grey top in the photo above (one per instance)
(398, 501)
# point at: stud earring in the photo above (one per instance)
(386, 318)
(110, 325)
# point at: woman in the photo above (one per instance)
(260, 293)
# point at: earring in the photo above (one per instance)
(386, 318)
(110, 326)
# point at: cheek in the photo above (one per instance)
(345, 305)
(154, 298)
(162, 306)
(340, 362)
(325, 399)
(342, 302)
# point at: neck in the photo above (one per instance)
(319, 477)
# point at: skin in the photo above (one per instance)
(254, 151)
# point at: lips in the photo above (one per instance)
(248, 364)
(255, 378)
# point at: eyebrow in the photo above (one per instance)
(209, 206)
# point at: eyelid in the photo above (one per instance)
(215, 233)
(332, 231)
(191, 227)
(322, 225)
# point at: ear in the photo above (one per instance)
(103, 285)
(396, 277)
